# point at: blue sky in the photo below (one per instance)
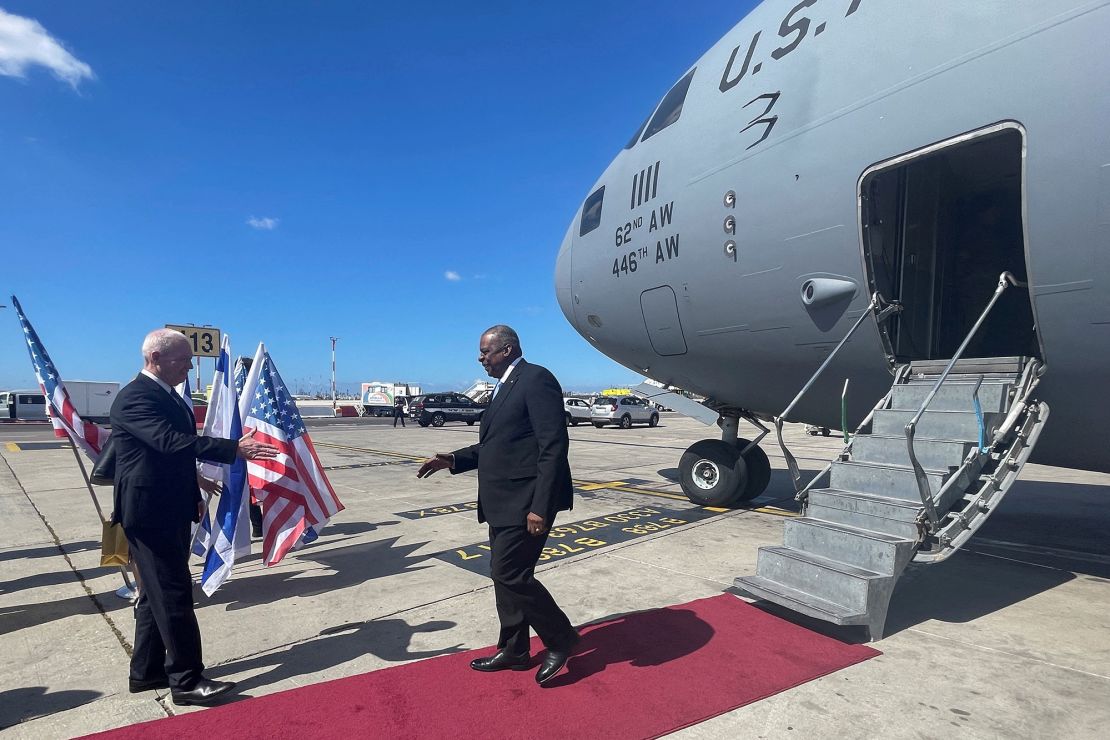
(399, 177)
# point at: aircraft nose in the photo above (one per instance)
(564, 279)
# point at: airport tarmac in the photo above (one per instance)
(1008, 638)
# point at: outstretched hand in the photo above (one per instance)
(251, 449)
(432, 464)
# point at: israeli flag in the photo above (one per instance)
(231, 538)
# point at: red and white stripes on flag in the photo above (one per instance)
(296, 497)
(63, 416)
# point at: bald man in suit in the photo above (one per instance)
(523, 482)
(157, 496)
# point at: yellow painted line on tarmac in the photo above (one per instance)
(599, 486)
(12, 447)
(776, 511)
(617, 485)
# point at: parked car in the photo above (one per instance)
(622, 410)
(576, 410)
(437, 408)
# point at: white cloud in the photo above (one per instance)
(263, 224)
(453, 276)
(25, 43)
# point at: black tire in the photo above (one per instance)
(654, 420)
(712, 473)
(599, 424)
(626, 422)
(421, 422)
(570, 419)
(574, 422)
(825, 431)
(470, 422)
(437, 419)
(759, 470)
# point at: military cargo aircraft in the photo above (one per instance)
(891, 218)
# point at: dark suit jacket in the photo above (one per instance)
(156, 446)
(521, 455)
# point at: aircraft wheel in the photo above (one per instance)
(712, 473)
(437, 419)
(626, 422)
(759, 471)
(654, 420)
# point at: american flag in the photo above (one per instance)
(67, 422)
(297, 499)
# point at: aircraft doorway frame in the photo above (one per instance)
(904, 278)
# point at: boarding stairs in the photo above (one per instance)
(925, 469)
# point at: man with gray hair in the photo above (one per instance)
(523, 482)
(156, 497)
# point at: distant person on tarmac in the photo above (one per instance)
(398, 412)
(523, 482)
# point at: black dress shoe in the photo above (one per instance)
(205, 692)
(137, 687)
(502, 660)
(554, 661)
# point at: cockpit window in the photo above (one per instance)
(636, 136)
(591, 212)
(671, 107)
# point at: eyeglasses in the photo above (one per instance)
(487, 352)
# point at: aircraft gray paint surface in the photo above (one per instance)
(814, 114)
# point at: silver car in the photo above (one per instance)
(576, 410)
(622, 410)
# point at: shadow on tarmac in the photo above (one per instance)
(14, 618)
(622, 640)
(352, 565)
(56, 578)
(48, 551)
(1043, 535)
(389, 639)
(32, 702)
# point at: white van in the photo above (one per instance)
(23, 405)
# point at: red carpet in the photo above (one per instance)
(641, 675)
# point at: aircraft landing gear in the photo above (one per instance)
(714, 473)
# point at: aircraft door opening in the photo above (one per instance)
(939, 226)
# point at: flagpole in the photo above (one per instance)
(130, 588)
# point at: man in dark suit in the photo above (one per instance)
(157, 495)
(523, 481)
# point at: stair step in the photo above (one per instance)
(865, 549)
(994, 395)
(969, 366)
(895, 517)
(799, 601)
(826, 579)
(956, 425)
(890, 449)
(895, 481)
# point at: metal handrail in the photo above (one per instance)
(802, 497)
(791, 463)
(1005, 280)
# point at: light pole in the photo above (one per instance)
(333, 341)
